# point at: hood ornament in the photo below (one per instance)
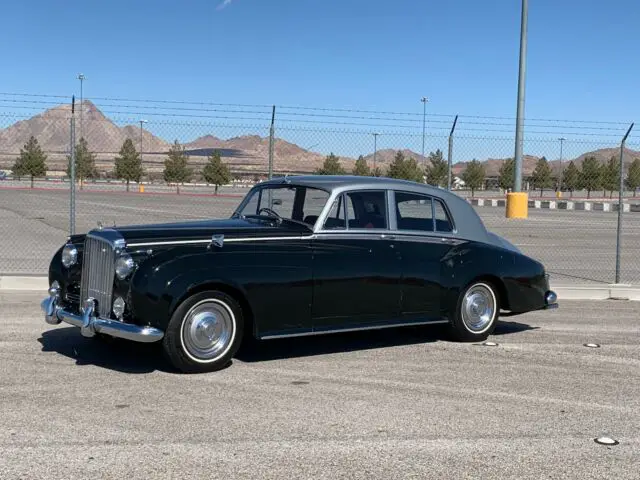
(99, 225)
(217, 240)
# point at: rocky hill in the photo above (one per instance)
(248, 153)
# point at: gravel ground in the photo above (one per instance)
(402, 403)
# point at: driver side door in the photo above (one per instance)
(356, 265)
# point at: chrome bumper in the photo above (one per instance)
(90, 324)
(550, 300)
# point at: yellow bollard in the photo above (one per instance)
(141, 188)
(517, 205)
(558, 194)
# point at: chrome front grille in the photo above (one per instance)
(98, 269)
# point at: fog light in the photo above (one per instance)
(54, 289)
(118, 307)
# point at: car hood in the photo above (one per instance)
(204, 229)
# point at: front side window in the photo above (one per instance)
(297, 203)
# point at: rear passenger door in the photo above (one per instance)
(424, 228)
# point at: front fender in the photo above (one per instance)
(162, 282)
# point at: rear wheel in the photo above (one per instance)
(204, 332)
(476, 313)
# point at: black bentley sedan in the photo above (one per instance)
(302, 255)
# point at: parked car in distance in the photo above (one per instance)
(301, 255)
(3, 175)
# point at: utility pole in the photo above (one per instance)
(560, 179)
(81, 77)
(424, 101)
(517, 184)
(375, 149)
(141, 122)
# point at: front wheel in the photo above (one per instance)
(204, 332)
(476, 313)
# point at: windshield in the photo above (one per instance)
(284, 202)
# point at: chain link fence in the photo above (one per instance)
(131, 170)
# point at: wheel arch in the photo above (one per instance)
(233, 291)
(500, 287)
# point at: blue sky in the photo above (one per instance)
(361, 54)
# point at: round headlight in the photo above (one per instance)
(69, 255)
(124, 266)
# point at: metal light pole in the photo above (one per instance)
(375, 150)
(81, 77)
(141, 122)
(560, 181)
(620, 204)
(424, 101)
(517, 184)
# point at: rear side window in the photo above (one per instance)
(443, 222)
(414, 212)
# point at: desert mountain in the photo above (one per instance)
(52, 129)
(243, 153)
(385, 157)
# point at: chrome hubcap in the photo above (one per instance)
(478, 308)
(207, 330)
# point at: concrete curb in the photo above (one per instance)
(577, 205)
(564, 292)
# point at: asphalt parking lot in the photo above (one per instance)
(402, 403)
(576, 246)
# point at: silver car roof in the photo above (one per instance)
(469, 225)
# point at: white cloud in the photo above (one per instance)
(224, 4)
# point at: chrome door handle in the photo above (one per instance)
(385, 236)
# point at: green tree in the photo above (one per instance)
(176, 168)
(331, 166)
(590, 175)
(611, 175)
(128, 163)
(438, 170)
(507, 174)
(85, 162)
(542, 175)
(31, 161)
(216, 171)
(571, 178)
(361, 168)
(377, 172)
(407, 169)
(633, 176)
(474, 175)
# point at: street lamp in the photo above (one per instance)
(424, 101)
(560, 181)
(81, 77)
(141, 122)
(375, 150)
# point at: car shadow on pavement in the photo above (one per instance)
(139, 358)
(113, 354)
(504, 328)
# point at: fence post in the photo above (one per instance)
(271, 140)
(620, 206)
(72, 170)
(450, 155)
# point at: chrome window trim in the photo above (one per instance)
(319, 226)
(433, 199)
